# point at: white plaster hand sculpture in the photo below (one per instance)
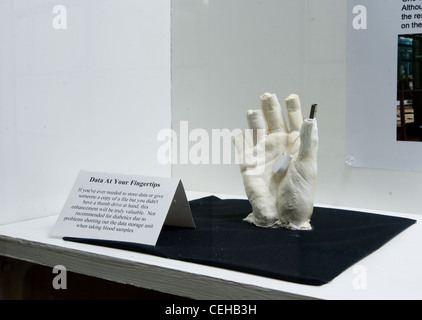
(281, 191)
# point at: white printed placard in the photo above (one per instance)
(384, 84)
(126, 208)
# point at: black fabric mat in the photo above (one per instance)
(338, 240)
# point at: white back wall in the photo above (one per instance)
(226, 53)
(91, 96)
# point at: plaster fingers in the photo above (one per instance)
(256, 122)
(294, 112)
(273, 114)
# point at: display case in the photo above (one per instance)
(83, 86)
(160, 88)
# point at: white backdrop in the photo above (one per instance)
(226, 53)
(92, 96)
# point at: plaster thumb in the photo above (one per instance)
(308, 140)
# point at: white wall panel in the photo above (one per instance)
(92, 96)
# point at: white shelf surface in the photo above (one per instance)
(392, 272)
